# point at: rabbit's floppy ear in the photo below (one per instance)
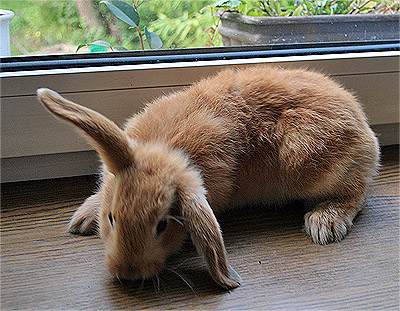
(205, 232)
(105, 136)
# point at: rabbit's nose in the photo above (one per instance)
(129, 281)
(127, 274)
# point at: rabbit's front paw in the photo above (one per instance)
(327, 223)
(84, 220)
(83, 224)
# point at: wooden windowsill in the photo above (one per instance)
(45, 267)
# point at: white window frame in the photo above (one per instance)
(34, 145)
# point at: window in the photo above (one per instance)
(42, 27)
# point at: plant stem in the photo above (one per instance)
(138, 29)
(140, 38)
(213, 30)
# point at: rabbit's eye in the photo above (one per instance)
(111, 219)
(162, 225)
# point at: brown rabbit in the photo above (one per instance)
(252, 135)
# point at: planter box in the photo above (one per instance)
(239, 29)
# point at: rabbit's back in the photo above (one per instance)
(263, 133)
(313, 138)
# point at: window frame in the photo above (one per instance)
(36, 151)
(92, 60)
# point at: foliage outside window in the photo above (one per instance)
(309, 7)
(60, 26)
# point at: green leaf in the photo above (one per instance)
(123, 11)
(229, 3)
(93, 48)
(80, 46)
(101, 43)
(276, 7)
(333, 8)
(153, 40)
(298, 11)
(96, 46)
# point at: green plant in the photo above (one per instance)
(307, 7)
(224, 6)
(181, 23)
(54, 27)
(127, 13)
(284, 8)
(178, 23)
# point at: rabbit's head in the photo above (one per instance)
(141, 221)
(152, 196)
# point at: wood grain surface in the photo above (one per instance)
(45, 267)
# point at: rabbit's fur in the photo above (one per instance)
(248, 135)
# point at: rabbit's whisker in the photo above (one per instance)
(141, 286)
(175, 219)
(187, 282)
(158, 283)
(185, 261)
(119, 280)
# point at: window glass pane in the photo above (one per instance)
(62, 26)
